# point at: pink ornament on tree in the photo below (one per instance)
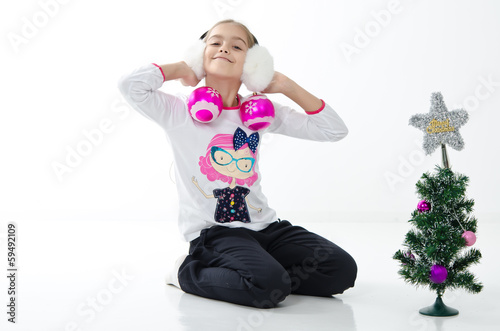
(438, 274)
(410, 256)
(424, 206)
(205, 104)
(470, 238)
(257, 112)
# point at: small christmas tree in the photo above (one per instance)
(437, 251)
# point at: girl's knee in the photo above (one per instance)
(346, 274)
(336, 274)
(274, 288)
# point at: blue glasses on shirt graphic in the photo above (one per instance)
(223, 158)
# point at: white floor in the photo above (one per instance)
(109, 275)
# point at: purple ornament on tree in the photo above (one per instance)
(470, 238)
(424, 206)
(438, 274)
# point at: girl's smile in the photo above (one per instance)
(223, 58)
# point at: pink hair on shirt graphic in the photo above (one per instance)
(224, 141)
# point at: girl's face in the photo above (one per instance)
(235, 164)
(225, 51)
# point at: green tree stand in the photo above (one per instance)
(438, 309)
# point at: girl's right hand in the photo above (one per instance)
(188, 77)
(180, 71)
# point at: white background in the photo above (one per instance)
(61, 64)
(115, 208)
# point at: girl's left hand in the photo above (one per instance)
(283, 84)
(279, 84)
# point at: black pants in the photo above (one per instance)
(260, 268)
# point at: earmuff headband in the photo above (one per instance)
(258, 69)
(254, 39)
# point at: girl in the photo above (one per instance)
(240, 251)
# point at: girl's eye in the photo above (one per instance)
(238, 48)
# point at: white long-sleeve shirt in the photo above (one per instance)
(205, 201)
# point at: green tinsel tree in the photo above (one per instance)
(438, 251)
(437, 238)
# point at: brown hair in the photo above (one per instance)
(250, 36)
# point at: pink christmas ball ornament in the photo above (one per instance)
(470, 238)
(257, 112)
(205, 104)
(424, 206)
(410, 256)
(438, 274)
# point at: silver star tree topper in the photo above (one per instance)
(440, 127)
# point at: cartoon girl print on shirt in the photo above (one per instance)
(231, 159)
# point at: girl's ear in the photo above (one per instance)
(194, 58)
(258, 70)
